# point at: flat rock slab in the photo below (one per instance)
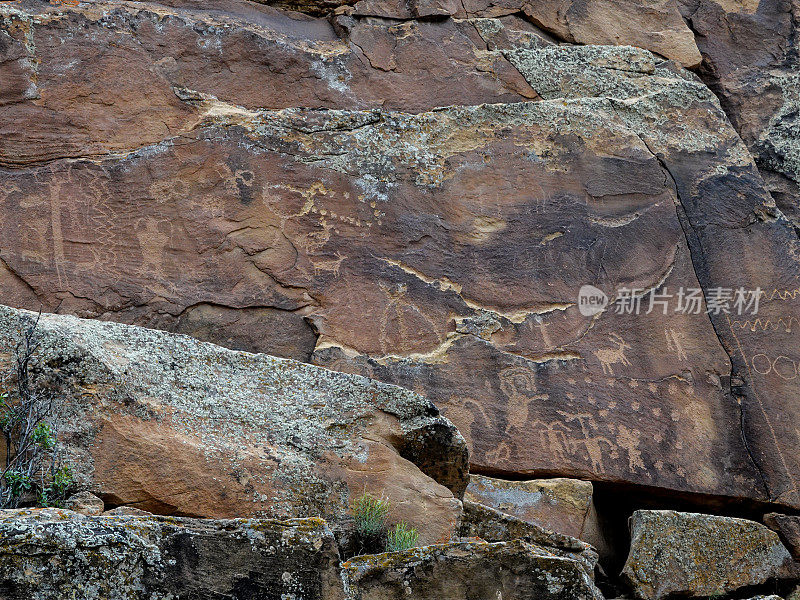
(468, 571)
(560, 504)
(57, 554)
(695, 555)
(172, 425)
(488, 524)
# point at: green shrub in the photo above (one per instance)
(370, 514)
(401, 537)
(28, 421)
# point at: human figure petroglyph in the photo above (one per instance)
(611, 356)
(518, 383)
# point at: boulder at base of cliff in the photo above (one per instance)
(695, 555)
(468, 570)
(171, 425)
(57, 554)
(560, 504)
(788, 528)
(491, 525)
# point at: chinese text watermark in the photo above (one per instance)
(687, 301)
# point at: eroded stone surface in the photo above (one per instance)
(699, 555)
(166, 423)
(57, 554)
(85, 503)
(491, 525)
(751, 61)
(248, 159)
(469, 570)
(788, 528)
(562, 505)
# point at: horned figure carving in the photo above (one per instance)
(611, 356)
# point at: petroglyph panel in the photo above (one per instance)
(438, 248)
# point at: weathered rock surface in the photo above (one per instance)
(788, 528)
(57, 554)
(699, 555)
(85, 503)
(486, 523)
(562, 505)
(751, 60)
(172, 425)
(419, 201)
(468, 570)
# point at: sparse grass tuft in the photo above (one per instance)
(370, 515)
(401, 537)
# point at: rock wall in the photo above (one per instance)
(416, 192)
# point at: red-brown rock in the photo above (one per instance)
(171, 425)
(391, 200)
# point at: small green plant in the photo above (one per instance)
(372, 532)
(33, 471)
(57, 491)
(401, 537)
(370, 514)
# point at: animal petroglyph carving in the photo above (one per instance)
(611, 356)
(592, 444)
(328, 266)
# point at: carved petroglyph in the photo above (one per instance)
(782, 366)
(518, 383)
(328, 266)
(629, 440)
(784, 323)
(402, 320)
(612, 356)
(592, 444)
(674, 343)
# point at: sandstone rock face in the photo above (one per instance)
(491, 525)
(171, 425)
(419, 199)
(468, 570)
(699, 555)
(751, 61)
(56, 554)
(562, 505)
(788, 528)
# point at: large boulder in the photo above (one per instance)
(168, 424)
(698, 555)
(490, 525)
(468, 571)
(420, 201)
(57, 554)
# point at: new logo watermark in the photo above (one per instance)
(591, 300)
(687, 301)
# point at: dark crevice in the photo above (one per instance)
(697, 253)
